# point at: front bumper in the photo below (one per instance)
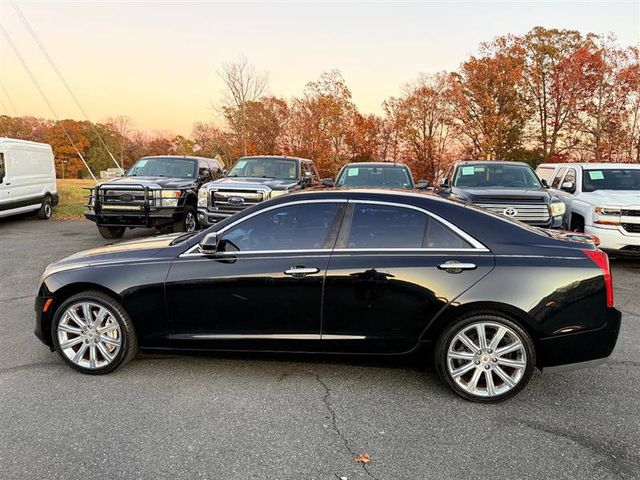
(616, 240)
(43, 322)
(208, 217)
(152, 219)
(578, 347)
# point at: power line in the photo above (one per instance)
(64, 82)
(13, 107)
(44, 97)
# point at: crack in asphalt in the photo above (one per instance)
(10, 299)
(334, 424)
(617, 458)
(28, 366)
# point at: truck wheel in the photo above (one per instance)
(111, 232)
(189, 222)
(46, 210)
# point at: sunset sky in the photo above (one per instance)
(157, 62)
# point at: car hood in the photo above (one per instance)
(127, 251)
(618, 198)
(498, 194)
(150, 182)
(249, 182)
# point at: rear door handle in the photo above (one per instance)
(456, 267)
(299, 272)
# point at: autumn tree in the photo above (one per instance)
(209, 141)
(489, 101)
(243, 85)
(68, 164)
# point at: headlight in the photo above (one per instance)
(607, 210)
(557, 209)
(168, 198)
(277, 193)
(202, 197)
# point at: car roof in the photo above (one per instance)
(490, 162)
(283, 157)
(602, 166)
(375, 164)
(187, 157)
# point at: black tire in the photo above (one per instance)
(577, 224)
(129, 342)
(111, 232)
(189, 221)
(491, 318)
(46, 209)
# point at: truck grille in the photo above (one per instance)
(533, 213)
(235, 200)
(630, 212)
(121, 199)
(631, 227)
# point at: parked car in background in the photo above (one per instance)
(511, 189)
(343, 271)
(156, 192)
(602, 199)
(375, 175)
(252, 180)
(27, 178)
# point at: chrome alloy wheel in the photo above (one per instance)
(189, 222)
(89, 335)
(486, 359)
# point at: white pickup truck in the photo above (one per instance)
(602, 199)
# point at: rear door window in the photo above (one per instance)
(376, 226)
(558, 178)
(545, 173)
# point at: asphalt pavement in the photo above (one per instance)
(293, 417)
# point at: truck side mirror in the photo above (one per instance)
(327, 182)
(209, 243)
(445, 183)
(545, 184)
(422, 184)
(568, 187)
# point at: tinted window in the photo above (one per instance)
(291, 227)
(163, 167)
(387, 226)
(558, 178)
(496, 174)
(545, 173)
(611, 179)
(391, 176)
(204, 171)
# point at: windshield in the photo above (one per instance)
(611, 179)
(496, 175)
(391, 176)
(277, 168)
(163, 167)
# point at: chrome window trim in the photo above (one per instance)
(267, 336)
(476, 245)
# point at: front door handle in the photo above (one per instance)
(456, 267)
(299, 272)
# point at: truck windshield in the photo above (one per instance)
(611, 179)
(163, 167)
(496, 175)
(392, 176)
(278, 168)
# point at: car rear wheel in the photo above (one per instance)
(93, 333)
(46, 210)
(111, 232)
(485, 357)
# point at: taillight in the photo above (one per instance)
(602, 260)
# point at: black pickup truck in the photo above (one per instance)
(252, 180)
(156, 192)
(511, 189)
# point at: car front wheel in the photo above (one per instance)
(485, 357)
(93, 333)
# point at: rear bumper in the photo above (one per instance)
(575, 348)
(154, 219)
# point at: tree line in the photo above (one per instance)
(547, 96)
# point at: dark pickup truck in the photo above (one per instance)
(252, 180)
(511, 189)
(156, 192)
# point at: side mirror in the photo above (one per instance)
(545, 184)
(568, 187)
(209, 243)
(327, 182)
(444, 183)
(422, 184)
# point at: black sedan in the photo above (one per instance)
(343, 271)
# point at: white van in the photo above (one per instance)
(27, 178)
